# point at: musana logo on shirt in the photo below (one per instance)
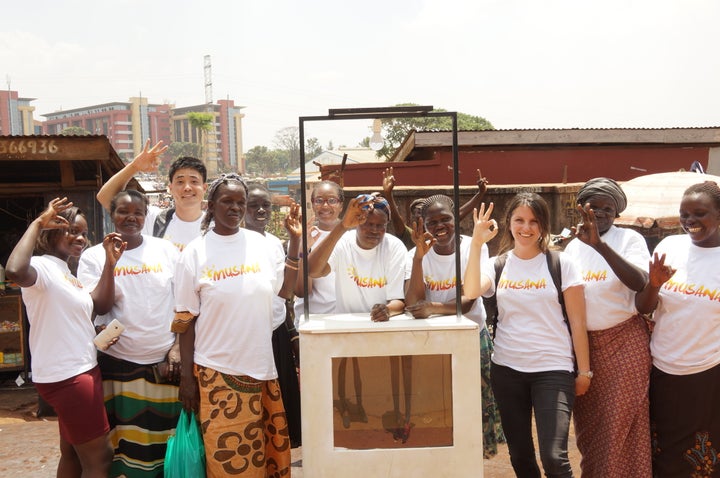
(522, 284)
(692, 289)
(595, 276)
(444, 284)
(213, 274)
(368, 282)
(136, 270)
(73, 280)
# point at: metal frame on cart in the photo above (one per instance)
(379, 113)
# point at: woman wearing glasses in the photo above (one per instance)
(327, 200)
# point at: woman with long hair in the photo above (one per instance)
(532, 369)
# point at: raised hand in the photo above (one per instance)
(423, 240)
(149, 158)
(293, 221)
(482, 183)
(586, 230)
(114, 247)
(485, 228)
(388, 183)
(49, 218)
(659, 273)
(357, 211)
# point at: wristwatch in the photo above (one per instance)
(587, 373)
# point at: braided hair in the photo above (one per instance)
(441, 199)
(212, 189)
(710, 188)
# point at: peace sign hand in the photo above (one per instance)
(423, 240)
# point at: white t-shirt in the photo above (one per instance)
(178, 232)
(365, 277)
(608, 301)
(532, 335)
(686, 338)
(439, 276)
(278, 302)
(59, 310)
(143, 297)
(229, 282)
(322, 293)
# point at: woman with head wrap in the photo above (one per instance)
(612, 420)
(224, 287)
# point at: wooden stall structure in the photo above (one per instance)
(36, 169)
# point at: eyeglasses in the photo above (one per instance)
(330, 201)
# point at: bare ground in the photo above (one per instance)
(29, 445)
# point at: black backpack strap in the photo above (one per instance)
(553, 262)
(161, 222)
(490, 303)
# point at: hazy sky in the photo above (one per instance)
(518, 63)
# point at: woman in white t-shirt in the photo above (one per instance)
(369, 268)
(683, 295)
(285, 338)
(225, 283)
(532, 368)
(60, 309)
(327, 202)
(430, 289)
(612, 422)
(140, 371)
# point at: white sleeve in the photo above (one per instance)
(187, 294)
(89, 270)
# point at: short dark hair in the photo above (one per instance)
(327, 183)
(188, 162)
(134, 194)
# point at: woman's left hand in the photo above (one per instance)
(582, 384)
(293, 221)
(114, 247)
(424, 241)
(422, 309)
(380, 313)
(586, 230)
(174, 363)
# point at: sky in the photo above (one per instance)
(518, 63)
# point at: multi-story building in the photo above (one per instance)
(16, 115)
(128, 125)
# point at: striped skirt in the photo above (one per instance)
(245, 431)
(142, 415)
(612, 420)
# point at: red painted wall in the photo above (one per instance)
(539, 165)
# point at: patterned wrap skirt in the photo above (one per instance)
(142, 415)
(612, 420)
(245, 431)
(492, 429)
(685, 420)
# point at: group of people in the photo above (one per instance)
(206, 298)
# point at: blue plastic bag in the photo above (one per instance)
(185, 454)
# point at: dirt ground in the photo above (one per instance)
(29, 445)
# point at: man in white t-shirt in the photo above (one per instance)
(181, 223)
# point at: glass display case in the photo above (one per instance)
(397, 398)
(12, 342)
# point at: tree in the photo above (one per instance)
(288, 140)
(75, 131)
(395, 130)
(204, 123)
(261, 161)
(312, 148)
(177, 149)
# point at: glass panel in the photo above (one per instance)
(392, 401)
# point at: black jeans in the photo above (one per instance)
(551, 396)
